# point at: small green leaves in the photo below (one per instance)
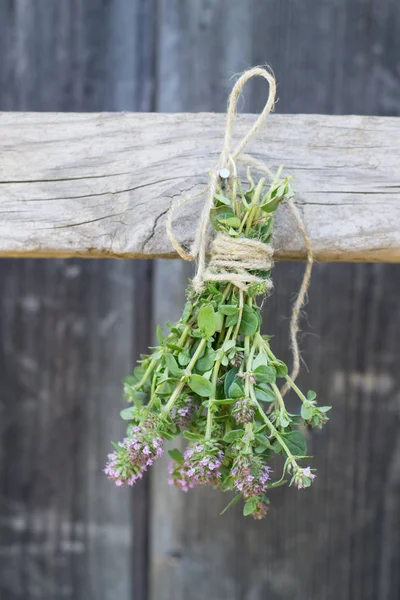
(280, 368)
(228, 380)
(296, 443)
(234, 500)
(206, 320)
(226, 309)
(222, 199)
(176, 455)
(223, 218)
(250, 506)
(233, 436)
(193, 437)
(249, 323)
(264, 393)
(212, 376)
(206, 362)
(265, 374)
(127, 414)
(236, 389)
(200, 385)
(172, 365)
(307, 411)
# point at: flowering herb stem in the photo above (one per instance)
(213, 378)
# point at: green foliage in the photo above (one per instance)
(214, 379)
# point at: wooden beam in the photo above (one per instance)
(100, 185)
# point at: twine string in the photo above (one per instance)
(233, 258)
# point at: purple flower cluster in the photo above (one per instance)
(135, 454)
(250, 476)
(201, 466)
(243, 411)
(182, 415)
(303, 477)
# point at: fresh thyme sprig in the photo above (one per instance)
(214, 379)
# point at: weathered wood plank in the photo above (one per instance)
(70, 330)
(100, 184)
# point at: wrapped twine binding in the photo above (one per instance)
(232, 259)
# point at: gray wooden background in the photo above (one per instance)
(70, 329)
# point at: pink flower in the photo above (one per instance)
(200, 467)
(243, 411)
(136, 453)
(303, 477)
(250, 476)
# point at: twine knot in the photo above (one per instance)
(232, 259)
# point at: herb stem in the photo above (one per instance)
(279, 397)
(272, 428)
(241, 302)
(287, 377)
(149, 369)
(182, 382)
(212, 398)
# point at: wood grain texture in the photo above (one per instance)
(70, 330)
(341, 538)
(100, 184)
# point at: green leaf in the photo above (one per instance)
(222, 199)
(200, 385)
(186, 311)
(172, 365)
(249, 323)
(183, 359)
(193, 437)
(280, 368)
(227, 309)
(250, 506)
(219, 321)
(236, 389)
(233, 222)
(311, 395)
(263, 440)
(207, 361)
(206, 320)
(296, 442)
(272, 205)
(307, 411)
(231, 320)
(231, 503)
(117, 447)
(167, 387)
(159, 334)
(168, 436)
(219, 217)
(324, 409)
(233, 435)
(176, 455)
(264, 393)
(265, 374)
(127, 414)
(229, 377)
(225, 401)
(260, 359)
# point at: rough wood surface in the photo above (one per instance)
(70, 330)
(100, 184)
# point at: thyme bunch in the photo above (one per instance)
(214, 379)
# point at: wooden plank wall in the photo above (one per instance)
(70, 329)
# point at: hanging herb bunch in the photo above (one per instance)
(214, 378)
